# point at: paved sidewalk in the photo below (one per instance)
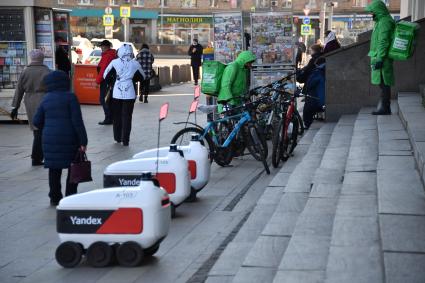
(28, 237)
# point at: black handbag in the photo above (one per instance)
(80, 170)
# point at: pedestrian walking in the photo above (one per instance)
(195, 53)
(126, 71)
(62, 59)
(381, 64)
(145, 59)
(30, 88)
(108, 54)
(63, 131)
(301, 49)
(331, 43)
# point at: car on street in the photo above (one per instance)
(80, 49)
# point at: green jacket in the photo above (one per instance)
(380, 43)
(234, 82)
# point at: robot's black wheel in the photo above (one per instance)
(152, 250)
(130, 254)
(100, 254)
(173, 210)
(69, 254)
(192, 196)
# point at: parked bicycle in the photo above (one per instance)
(228, 136)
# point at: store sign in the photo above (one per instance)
(125, 11)
(108, 20)
(187, 20)
(305, 29)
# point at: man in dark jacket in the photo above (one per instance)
(145, 58)
(108, 54)
(315, 91)
(195, 53)
(62, 59)
(63, 131)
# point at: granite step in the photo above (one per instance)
(305, 257)
(230, 265)
(401, 196)
(355, 250)
(260, 264)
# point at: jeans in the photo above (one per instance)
(37, 150)
(122, 111)
(55, 193)
(105, 104)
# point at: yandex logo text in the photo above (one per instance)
(85, 220)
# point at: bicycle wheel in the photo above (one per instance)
(223, 155)
(290, 142)
(259, 144)
(184, 136)
(277, 142)
(301, 128)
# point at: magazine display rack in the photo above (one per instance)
(273, 45)
(228, 36)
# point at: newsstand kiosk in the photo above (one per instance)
(25, 25)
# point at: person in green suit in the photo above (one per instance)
(234, 83)
(382, 66)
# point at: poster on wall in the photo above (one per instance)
(272, 40)
(44, 35)
(228, 36)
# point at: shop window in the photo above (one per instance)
(188, 3)
(287, 4)
(113, 2)
(362, 3)
(85, 2)
(138, 3)
(262, 3)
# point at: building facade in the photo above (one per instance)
(171, 25)
(412, 8)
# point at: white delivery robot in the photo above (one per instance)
(125, 223)
(197, 157)
(171, 169)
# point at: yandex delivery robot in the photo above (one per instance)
(171, 169)
(125, 223)
(197, 157)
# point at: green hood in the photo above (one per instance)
(245, 57)
(378, 8)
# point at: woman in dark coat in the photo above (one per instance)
(63, 131)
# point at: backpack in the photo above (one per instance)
(403, 44)
(212, 72)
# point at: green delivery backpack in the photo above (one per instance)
(212, 71)
(403, 44)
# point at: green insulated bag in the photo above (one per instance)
(403, 43)
(212, 71)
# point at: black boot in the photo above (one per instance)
(384, 105)
(145, 99)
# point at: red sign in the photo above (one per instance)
(163, 112)
(197, 92)
(193, 106)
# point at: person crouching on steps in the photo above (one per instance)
(126, 71)
(63, 131)
(145, 59)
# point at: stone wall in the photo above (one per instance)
(348, 86)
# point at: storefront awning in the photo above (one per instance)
(135, 13)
